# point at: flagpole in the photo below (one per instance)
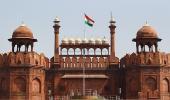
(84, 81)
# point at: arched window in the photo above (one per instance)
(71, 51)
(98, 51)
(22, 48)
(91, 51)
(36, 86)
(64, 51)
(146, 48)
(77, 51)
(105, 51)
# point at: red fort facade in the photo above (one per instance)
(84, 67)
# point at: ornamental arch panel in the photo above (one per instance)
(36, 85)
(165, 85)
(19, 85)
(151, 84)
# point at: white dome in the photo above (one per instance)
(105, 41)
(85, 41)
(71, 41)
(77, 41)
(92, 41)
(98, 41)
(64, 41)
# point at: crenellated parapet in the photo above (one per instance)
(90, 62)
(13, 59)
(147, 58)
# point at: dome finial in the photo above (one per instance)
(146, 23)
(22, 23)
(112, 20)
(56, 21)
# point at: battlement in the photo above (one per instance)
(147, 58)
(17, 59)
(90, 62)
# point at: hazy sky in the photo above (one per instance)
(130, 16)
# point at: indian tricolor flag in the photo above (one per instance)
(89, 21)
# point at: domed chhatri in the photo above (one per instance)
(147, 32)
(22, 36)
(146, 36)
(22, 32)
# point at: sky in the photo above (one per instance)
(130, 16)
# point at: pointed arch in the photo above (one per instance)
(36, 85)
(151, 84)
(19, 85)
(77, 51)
(3, 85)
(165, 85)
(91, 51)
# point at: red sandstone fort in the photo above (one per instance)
(28, 75)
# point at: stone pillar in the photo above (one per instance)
(56, 40)
(112, 37)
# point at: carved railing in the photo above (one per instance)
(88, 61)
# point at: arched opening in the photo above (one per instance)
(105, 51)
(28, 47)
(91, 51)
(19, 85)
(64, 51)
(36, 86)
(165, 85)
(146, 48)
(151, 84)
(77, 51)
(71, 51)
(22, 48)
(98, 51)
(153, 48)
(140, 48)
(133, 86)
